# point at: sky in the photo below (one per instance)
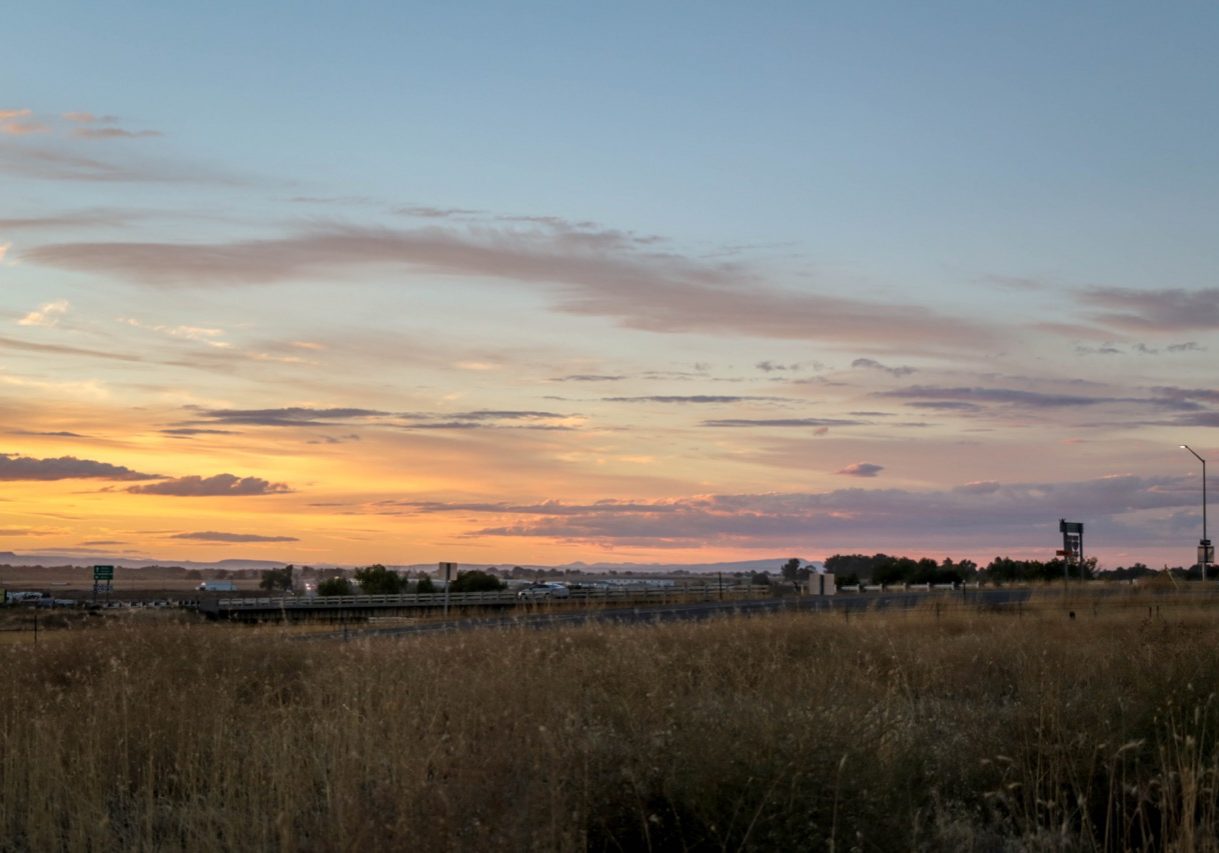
(535, 283)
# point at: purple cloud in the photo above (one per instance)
(220, 485)
(218, 536)
(602, 273)
(1168, 310)
(873, 364)
(860, 469)
(13, 467)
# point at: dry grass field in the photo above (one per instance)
(936, 730)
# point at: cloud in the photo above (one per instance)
(982, 515)
(588, 377)
(1026, 399)
(861, 469)
(1208, 395)
(113, 133)
(60, 349)
(218, 536)
(56, 163)
(771, 367)
(692, 398)
(220, 485)
(424, 211)
(211, 337)
(782, 422)
(29, 531)
(873, 364)
(23, 128)
(604, 274)
(54, 434)
(334, 439)
(504, 414)
(78, 219)
(191, 431)
(946, 406)
(47, 315)
(14, 467)
(292, 416)
(307, 417)
(1168, 310)
(8, 115)
(1202, 419)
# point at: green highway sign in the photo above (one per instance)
(103, 573)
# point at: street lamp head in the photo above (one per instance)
(1194, 452)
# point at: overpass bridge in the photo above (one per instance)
(350, 607)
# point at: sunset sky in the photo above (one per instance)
(542, 282)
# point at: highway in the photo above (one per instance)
(693, 611)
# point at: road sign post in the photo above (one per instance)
(448, 569)
(1072, 546)
(103, 580)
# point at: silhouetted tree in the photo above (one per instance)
(476, 581)
(335, 586)
(378, 580)
(277, 580)
(793, 573)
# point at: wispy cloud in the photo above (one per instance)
(211, 337)
(61, 349)
(219, 536)
(220, 485)
(1168, 310)
(1027, 399)
(589, 377)
(782, 422)
(188, 432)
(873, 364)
(860, 469)
(113, 133)
(291, 416)
(772, 366)
(698, 399)
(20, 122)
(78, 219)
(14, 467)
(307, 417)
(47, 315)
(595, 273)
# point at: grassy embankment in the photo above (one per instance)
(951, 730)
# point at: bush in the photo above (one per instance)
(476, 581)
(425, 586)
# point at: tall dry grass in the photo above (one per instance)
(939, 729)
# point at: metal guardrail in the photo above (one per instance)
(467, 599)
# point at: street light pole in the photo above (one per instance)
(1204, 547)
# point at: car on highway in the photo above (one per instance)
(543, 590)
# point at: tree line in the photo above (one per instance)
(850, 569)
(379, 580)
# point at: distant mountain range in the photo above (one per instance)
(772, 564)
